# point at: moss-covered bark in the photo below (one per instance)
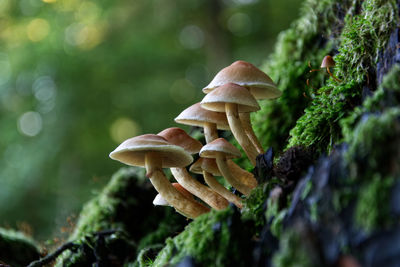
(342, 208)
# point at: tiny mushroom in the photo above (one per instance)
(195, 115)
(234, 99)
(327, 63)
(222, 150)
(154, 153)
(180, 138)
(255, 80)
(208, 167)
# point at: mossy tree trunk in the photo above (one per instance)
(333, 195)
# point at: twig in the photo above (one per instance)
(52, 256)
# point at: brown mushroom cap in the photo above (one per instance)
(230, 93)
(219, 145)
(327, 62)
(195, 115)
(246, 74)
(179, 137)
(132, 151)
(207, 164)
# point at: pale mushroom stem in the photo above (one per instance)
(239, 133)
(189, 208)
(243, 176)
(210, 131)
(203, 192)
(246, 122)
(217, 187)
(225, 171)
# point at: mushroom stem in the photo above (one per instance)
(225, 171)
(243, 176)
(189, 208)
(210, 131)
(333, 76)
(246, 123)
(217, 187)
(203, 192)
(232, 115)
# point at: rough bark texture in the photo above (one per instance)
(338, 203)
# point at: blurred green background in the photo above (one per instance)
(78, 77)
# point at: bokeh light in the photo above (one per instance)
(30, 123)
(123, 128)
(191, 37)
(38, 29)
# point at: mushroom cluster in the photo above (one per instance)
(230, 98)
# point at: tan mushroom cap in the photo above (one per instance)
(328, 62)
(195, 115)
(132, 151)
(219, 145)
(179, 137)
(246, 74)
(230, 93)
(207, 164)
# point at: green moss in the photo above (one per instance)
(115, 208)
(213, 239)
(363, 36)
(372, 209)
(373, 133)
(17, 249)
(292, 251)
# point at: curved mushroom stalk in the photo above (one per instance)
(203, 192)
(243, 176)
(238, 132)
(217, 187)
(225, 171)
(189, 208)
(210, 131)
(246, 123)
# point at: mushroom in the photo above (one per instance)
(180, 138)
(195, 115)
(255, 80)
(222, 150)
(208, 168)
(327, 63)
(154, 153)
(160, 201)
(234, 99)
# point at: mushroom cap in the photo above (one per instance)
(230, 93)
(207, 164)
(219, 145)
(195, 115)
(327, 62)
(179, 137)
(248, 75)
(133, 150)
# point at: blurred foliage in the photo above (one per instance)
(78, 77)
